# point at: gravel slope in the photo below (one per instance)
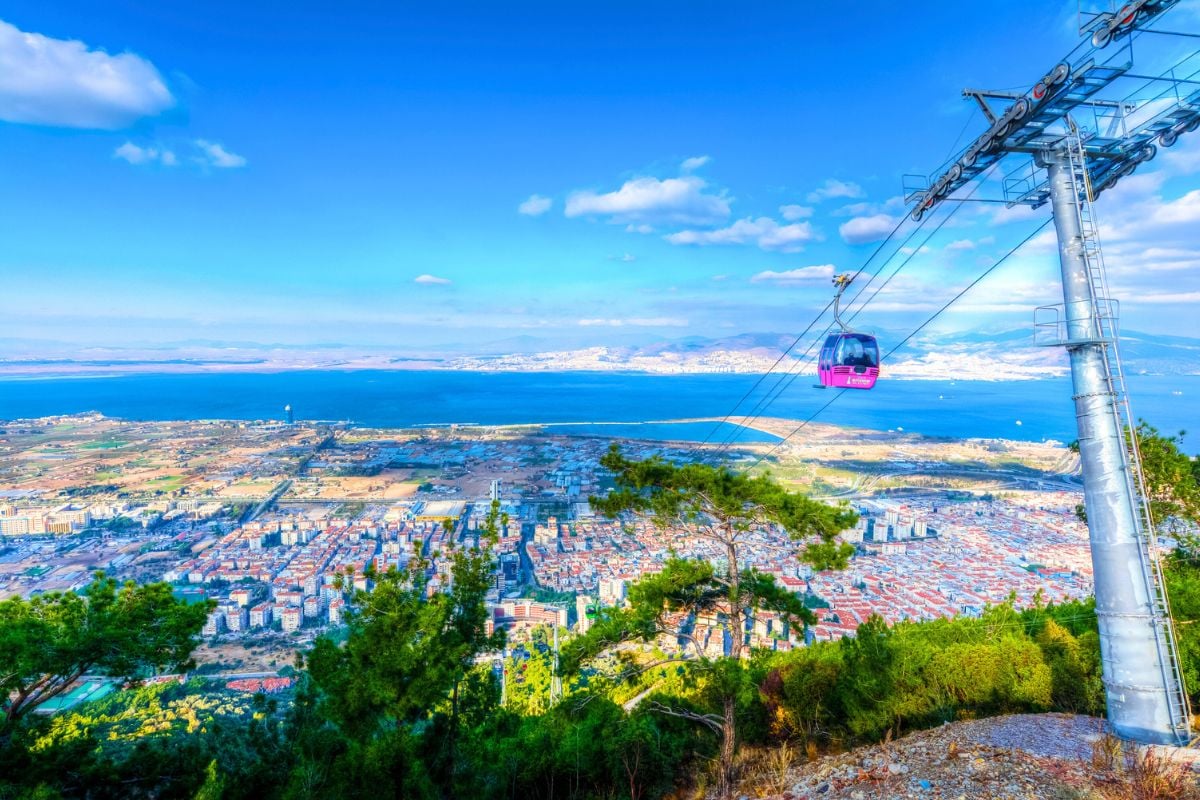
(1018, 757)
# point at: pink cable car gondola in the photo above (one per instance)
(848, 360)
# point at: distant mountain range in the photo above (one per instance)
(1005, 355)
(998, 355)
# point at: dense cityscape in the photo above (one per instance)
(280, 522)
(594, 401)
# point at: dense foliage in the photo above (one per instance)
(408, 704)
(124, 631)
(1172, 478)
(918, 674)
(722, 507)
(185, 741)
(153, 741)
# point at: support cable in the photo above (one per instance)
(763, 377)
(789, 377)
(728, 440)
(903, 341)
(972, 284)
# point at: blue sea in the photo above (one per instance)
(1029, 410)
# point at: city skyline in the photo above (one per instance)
(462, 176)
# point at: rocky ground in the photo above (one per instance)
(1028, 756)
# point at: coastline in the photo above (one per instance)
(593, 402)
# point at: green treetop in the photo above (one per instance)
(723, 507)
(405, 654)
(1172, 478)
(119, 630)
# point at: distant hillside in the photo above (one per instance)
(998, 355)
(1004, 355)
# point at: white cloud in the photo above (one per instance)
(1146, 110)
(1019, 213)
(145, 155)
(959, 245)
(135, 155)
(635, 322)
(1135, 187)
(857, 210)
(657, 322)
(1164, 298)
(535, 206)
(1137, 258)
(868, 207)
(1003, 291)
(215, 155)
(798, 275)
(908, 251)
(1041, 244)
(861, 230)
(61, 82)
(764, 232)
(680, 201)
(431, 280)
(1135, 210)
(695, 163)
(1184, 157)
(1185, 210)
(835, 188)
(628, 258)
(791, 213)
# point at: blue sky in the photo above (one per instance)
(584, 173)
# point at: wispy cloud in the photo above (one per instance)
(764, 232)
(432, 280)
(215, 155)
(649, 201)
(835, 188)
(1145, 235)
(64, 83)
(791, 213)
(695, 163)
(635, 322)
(861, 230)
(145, 155)
(868, 207)
(798, 275)
(535, 206)
(1166, 298)
(1185, 210)
(1020, 213)
(1183, 157)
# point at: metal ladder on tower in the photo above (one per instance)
(1105, 317)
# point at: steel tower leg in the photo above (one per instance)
(1138, 678)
